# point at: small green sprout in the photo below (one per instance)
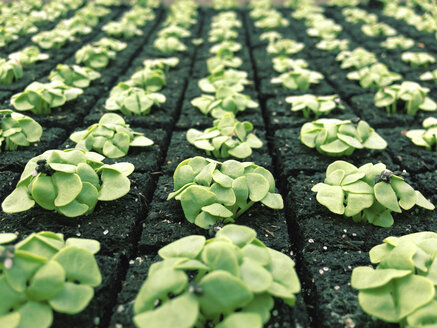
(344, 3)
(402, 287)
(378, 29)
(298, 79)
(17, 130)
(359, 16)
(325, 29)
(6, 36)
(375, 76)
(74, 26)
(221, 34)
(224, 58)
(228, 137)
(40, 98)
(334, 137)
(43, 273)
(28, 56)
(161, 63)
(284, 64)
(272, 20)
(131, 100)
(231, 78)
(149, 79)
(356, 59)
(74, 76)
(418, 59)
(284, 47)
(69, 182)
(270, 36)
(225, 100)
(314, 105)
(174, 31)
(54, 39)
(425, 137)
(411, 94)
(122, 29)
(111, 44)
(211, 191)
(230, 46)
(228, 281)
(169, 45)
(398, 42)
(10, 71)
(429, 76)
(94, 57)
(367, 194)
(111, 137)
(335, 45)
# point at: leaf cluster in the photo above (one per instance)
(411, 95)
(356, 59)
(74, 76)
(325, 29)
(228, 137)
(334, 137)
(169, 39)
(224, 27)
(314, 105)
(211, 191)
(270, 20)
(359, 16)
(97, 55)
(236, 278)
(284, 64)
(10, 71)
(69, 182)
(398, 42)
(335, 45)
(375, 76)
(40, 98)
(111, 137)
(28, 56)
(369, 193)
(43, 273)
(284, 47)
(428, 76)
(418, 59)
(298, 79)
(378, 29)
(17, 130)
(402, 288)
(425, 137)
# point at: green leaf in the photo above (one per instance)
(189, 247)
(407, 195)
(273, 201)
(223, 293)
(68, 186)
(18, 201)
(217, 210)
(423, 202)
(6, 238)
(222, 179)
(44, 192)
(241, 320)
(47, 282)
(73, 209)
(262, 304)
(239, 235)
(181, 311)
(258, 186)
(386, 196)
(10, 320)
(255, 276)
(332, 197)
(225, 196)
(243, 150)
(368, 278)
(335, 178)
(357, 202)
(426, 316)
(282, 270)
(35, 314)
(72, 298)
(232, 169)
(193, 199)
(205, 176)
(91, 245)
(114, 185)
(335, 147)
(221, 255)
(241, 191)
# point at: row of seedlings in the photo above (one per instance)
(57, 49)
(324, 268)
(212, 193)
(69, 182)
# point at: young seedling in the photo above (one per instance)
(234, 79)
(425, 137)
(224, 58)
(54, 39)
(359, 16)
(375, 76)
(325, 29)
(335, 45)
(211, 191)
(410, 94)
(398, 42)
(298, 79)
(378, 29)
(402, 287)
(111, 44)
(228, 137)
(131, 100)
(150, 79)
(229, 46)
(314, 105)
(367, 194)
(28, 56)
(356, 59)
(122, 29)
(271, 20)
(17, 130)
(69, 182)
(94, 57)
(429, 76)
(111, 137)
(43, 273)
(40, 98)
(284, 47)
(10, 71)
(225, 100)
(169, 45)
(74, 76)
(334, 137)
(418, 59)
(227, 281)
(221, 34)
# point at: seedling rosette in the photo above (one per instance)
(298, 79)
(368, 193)
(375, 76)
(231, 78)
(74, 76)
(425, 137)
(69, 182)
(228, 137)
(28, 56)
(314, 105)
(111, 137)
(402, 288)
(43, 273)
(334, 137)
(418, 59)
(283, 64)
(17, 130)
(356, 59)
(10, 71)
(227, 281)
(210, 191)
